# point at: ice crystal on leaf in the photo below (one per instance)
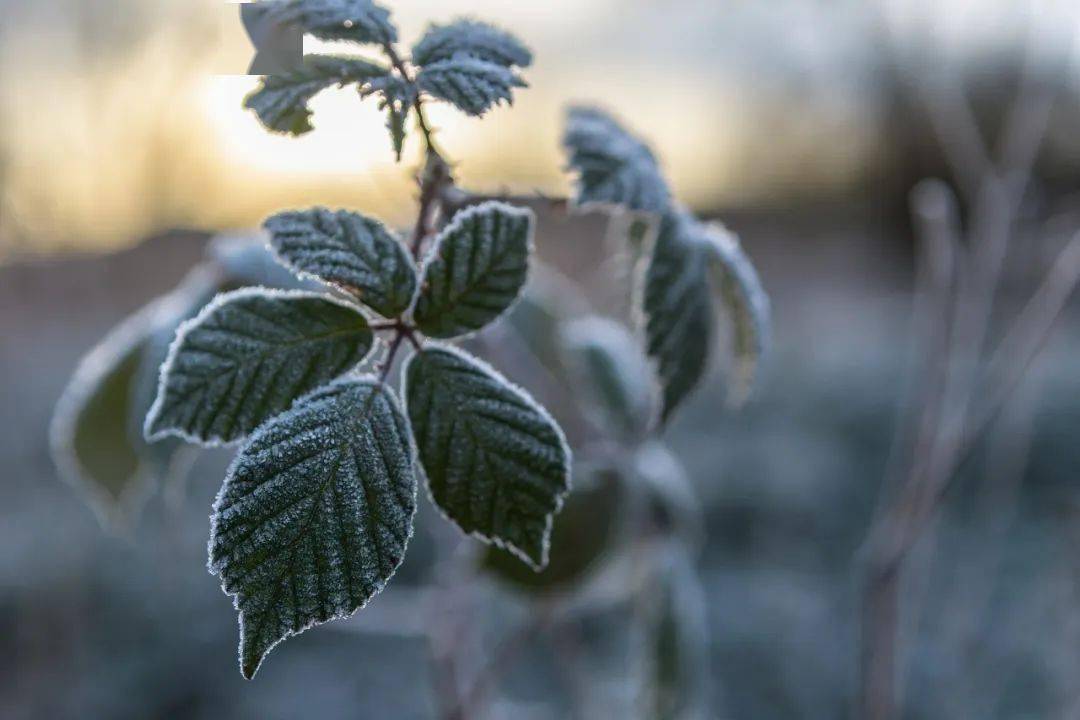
(613, 167)
(472, 39)
(496, 463)
(471, 85)
(282, 101)
(315, 513)
(248, 356)
(476, 270)
(747, 305)
(679, 316)
(357, 20)
(354, 253)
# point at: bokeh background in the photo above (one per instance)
(802, 124)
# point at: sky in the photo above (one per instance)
(119, 118)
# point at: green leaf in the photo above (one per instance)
(496, 463)
(613, 167)
(247, 357)
(315, 513)
(96, 432)
(617, 377)
(89, 435)
(354, 253)
(677, 304)
(582, 536)
(476, 270)
(473, 86)
(357, 20)
(473, 39)
(282, 101)
(396, 97)
(677, 679)
(743, 297)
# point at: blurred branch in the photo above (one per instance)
(955, 407)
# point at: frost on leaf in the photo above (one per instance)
(617, 378)
(744, 299)
(315, 513)
(677, 304)
(281, 101)
(96, 433)
(358, 20)
(396, 97)
(354, 253)
(476, 271)
(473, 39)
(248, 356)
(496, 463)
(613, 167)
(472, 85)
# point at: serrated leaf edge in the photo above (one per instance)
(213, 570)
(352, 300)
(187, 326)
(528, 399)
(455, 222)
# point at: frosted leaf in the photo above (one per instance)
(678, 310)
(476, 270)
(282, 101)
(676, 658)
(396, 97)
(496, 463)
(474, 39)
(473, 86)
(248, 356)
(673, 506)
(613, 167)
(96, 432)
(584, 536)
(354, 253)
(617, 378)
(744, 299)
(358, 20)
(315, 513)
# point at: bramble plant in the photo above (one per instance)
(317, 508)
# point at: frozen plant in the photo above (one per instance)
(317, 508)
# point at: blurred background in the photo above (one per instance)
(804, 125)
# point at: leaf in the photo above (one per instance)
(496, 463)
(677, 304)
(617, 377)
(743, 296)
(357, 20)
(281, 101)
(613, 167)
(89, 436)
(473, 39)
(473, 86)
(476, 270)
(582, 537)
(354, 253)
(247, 357)
(96, 431)
(673, 507)
(677, 680)
(315, 513)
(396, 98)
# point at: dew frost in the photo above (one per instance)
(497, 465)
